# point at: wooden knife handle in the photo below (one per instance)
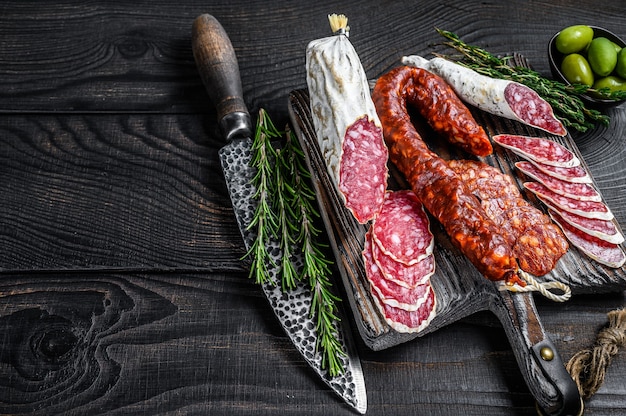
(542, 368)
(217, 64)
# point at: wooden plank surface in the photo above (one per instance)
(122, 289)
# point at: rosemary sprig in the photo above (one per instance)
(286, 214)
(564, 99)
(264, 220)
(316, 267)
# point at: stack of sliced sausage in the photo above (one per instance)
(399, 261)
(563, 185)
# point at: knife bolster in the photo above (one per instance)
(236, 125)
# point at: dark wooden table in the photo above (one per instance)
(122, 291)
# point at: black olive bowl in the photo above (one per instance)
(555, 57)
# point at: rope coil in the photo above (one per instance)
(588, 367)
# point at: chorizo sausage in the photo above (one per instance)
(440, 189)
(536, 242)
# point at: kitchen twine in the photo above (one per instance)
(588, 367)
(545, 288)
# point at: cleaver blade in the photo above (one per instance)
(219, 70)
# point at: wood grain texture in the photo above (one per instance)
(122, 291)
(114, 192)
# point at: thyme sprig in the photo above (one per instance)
(286, 213)
(564, 99)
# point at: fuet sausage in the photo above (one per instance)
(501, 97)
(440, 189)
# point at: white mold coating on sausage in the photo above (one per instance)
(339, 94)
(489, 94)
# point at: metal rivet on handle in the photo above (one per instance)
(547, 354)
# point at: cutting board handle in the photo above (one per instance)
(537, 357)
(217, 64)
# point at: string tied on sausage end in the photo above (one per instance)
(555, 291)
(339, 24)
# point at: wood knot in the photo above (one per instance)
(54, 345)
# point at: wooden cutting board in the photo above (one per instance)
(459, 288)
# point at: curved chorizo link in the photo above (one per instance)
(440, 189)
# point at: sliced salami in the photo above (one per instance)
(538, 149)
(602, 229)
(574, 174)
(500, 97)
(400, 273)
(611, 255)
(409, 321)
(402, 228)
(587, 209)
(363, 169)
(580, 191)
(388, 292)
(347, 128)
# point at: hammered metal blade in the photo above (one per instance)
(292, 308)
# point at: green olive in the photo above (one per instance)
(602, 56)
(573, 39)
(620, 67)
(617, 47)
(576, 69)
(611, 82)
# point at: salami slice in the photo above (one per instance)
(611, 255)
(580, 191)
(587, 209)
(388, 292)
(363, 169)
(400, 273)
(538, 149)
(409, 321)
(574, 174)
(602, 229)
(402, 228)
(500, 97)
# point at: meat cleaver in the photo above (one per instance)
(219, 70)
